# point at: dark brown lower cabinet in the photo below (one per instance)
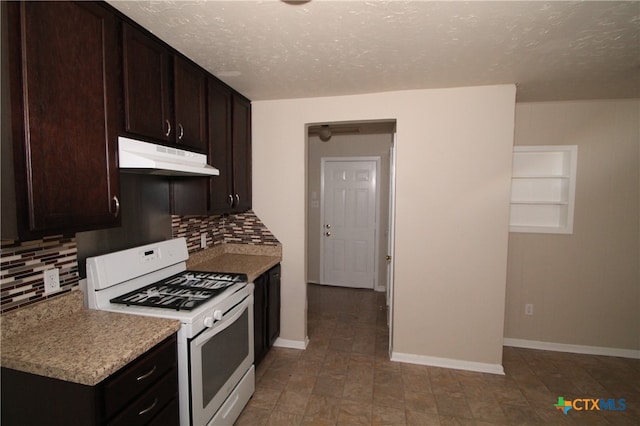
(273, 311)
(266, 312)
(143, 392)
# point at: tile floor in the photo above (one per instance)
(345, 377)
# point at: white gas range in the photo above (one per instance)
(216, 375)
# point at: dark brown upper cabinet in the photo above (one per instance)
(241, 118)
(164, 94)
(64, 80)
(190, 99)
(221, 187)
(229, 149)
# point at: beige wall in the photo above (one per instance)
(585, 287)
(454, 151)
(372, 145)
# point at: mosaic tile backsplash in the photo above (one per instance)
(241, 228)
(22, 263)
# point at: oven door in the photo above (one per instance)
(219, 358)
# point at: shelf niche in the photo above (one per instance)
(543, 188)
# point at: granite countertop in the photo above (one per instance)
(61, 339)
(252, 260)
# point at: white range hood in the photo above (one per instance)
(143, 157)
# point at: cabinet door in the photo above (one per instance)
(190, 105)
(260, 344)
(241, 154)
(219, 103)
(147, 88)
(66, 95)
(273, 313)
(59, 402)
(190, 195)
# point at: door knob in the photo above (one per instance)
(328, 234)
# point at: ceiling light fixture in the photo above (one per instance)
(324, 133)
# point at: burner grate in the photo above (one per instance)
(183, 291)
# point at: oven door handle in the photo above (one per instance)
(229, 318)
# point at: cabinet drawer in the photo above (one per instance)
(169, 416)
(150, 403)
(139, 376)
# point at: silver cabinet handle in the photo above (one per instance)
(117, 204)
(149, 408)
(168, 132)
(230, 200)
(328, 226)
(237, 200)
(144, 376)
(328, 234)
(180, 131)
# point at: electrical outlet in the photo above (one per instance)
(528, 309)
(51, 280)
(203, 240)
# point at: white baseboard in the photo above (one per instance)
(576, 349)
(381, 288)
(448, 363)
(291, 344)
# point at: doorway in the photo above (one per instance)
(348, 140)
(349, 205)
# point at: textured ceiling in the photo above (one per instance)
(278, 50)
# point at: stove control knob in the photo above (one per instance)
(217, 314)
(208, 322)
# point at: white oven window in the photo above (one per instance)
(222, 355)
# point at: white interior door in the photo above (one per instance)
(349, 204)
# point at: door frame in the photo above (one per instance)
(391, 242)
(376, 238)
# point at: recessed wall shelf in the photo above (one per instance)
(543, 188)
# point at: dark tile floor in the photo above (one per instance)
(345, 378)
